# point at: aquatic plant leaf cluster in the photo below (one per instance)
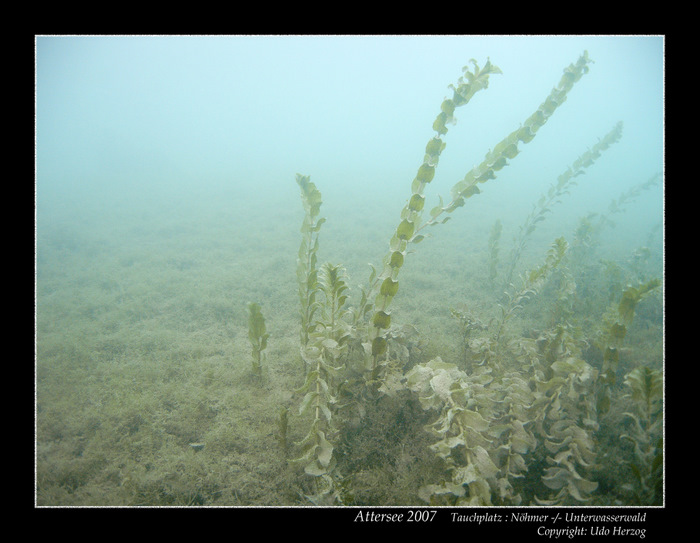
(532, 281)
(307, 272)
(411, 215)
(257, 335)
(565, 182)
(615, 335)
(514, 402)
(646, 433)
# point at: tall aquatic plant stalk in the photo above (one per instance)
(386, 284)
(327, 325)
(387, 281)
(615, 335)
(327, 343)
(564, 183)
(307, 272)
(532, 282)
(645, 433)
(258, 336)
(494, 248)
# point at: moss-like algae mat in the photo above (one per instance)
(142, 348)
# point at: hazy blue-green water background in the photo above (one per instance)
(129, 123)
(166, 195)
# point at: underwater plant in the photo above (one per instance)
(564, 183)
(324, 332)
(588, 230)
(441, 396)
(327, 342)
(619, 204)
(385, 284)
(516, 427)
(412, 223)
(646, 392)
(619, 320)
(531, 283)
(468, 323)
(283, 430)
(463, 431)
(494, 249)
(307, 272)
(529, 397)
(257, 335)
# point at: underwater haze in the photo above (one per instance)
(168, 177)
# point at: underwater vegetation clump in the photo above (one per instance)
(516, 420)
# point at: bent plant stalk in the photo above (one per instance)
(325, 329)
(411, 225)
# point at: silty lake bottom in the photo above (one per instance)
(143, 350)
